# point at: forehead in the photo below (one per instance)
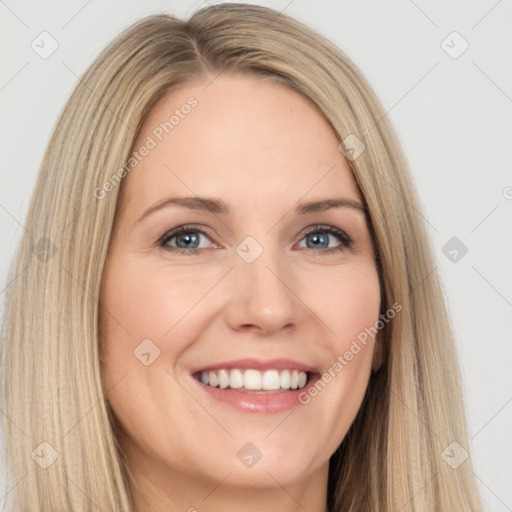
(240, 136)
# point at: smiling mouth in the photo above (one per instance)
(254, 381)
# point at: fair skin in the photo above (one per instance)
(262, 149)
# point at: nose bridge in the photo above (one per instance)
(263, 295)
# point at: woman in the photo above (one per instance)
(179, 337)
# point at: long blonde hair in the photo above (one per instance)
(60, 435)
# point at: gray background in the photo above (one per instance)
(453, 115)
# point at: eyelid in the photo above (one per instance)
(178, 230)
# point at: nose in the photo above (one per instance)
(262, 297)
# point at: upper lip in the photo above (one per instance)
(259, 364)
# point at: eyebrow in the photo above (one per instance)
(218, 206)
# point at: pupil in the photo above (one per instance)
(322, 238)
(188, 238)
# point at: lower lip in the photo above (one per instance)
(267, 403)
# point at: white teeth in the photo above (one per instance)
(250, 379)
(213, 380)
(285, 379)
(294, 380)
(236, 379)
(223, 379)
(271, 380)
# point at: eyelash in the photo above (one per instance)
(346, 241)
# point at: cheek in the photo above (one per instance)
(138, 319)
(137, 311)
(349, 305)
(141, 303)
(146, 310)
(347, 301)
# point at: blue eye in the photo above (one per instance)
(187, 239)
(319, 236)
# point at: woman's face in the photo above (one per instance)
(257, 289)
